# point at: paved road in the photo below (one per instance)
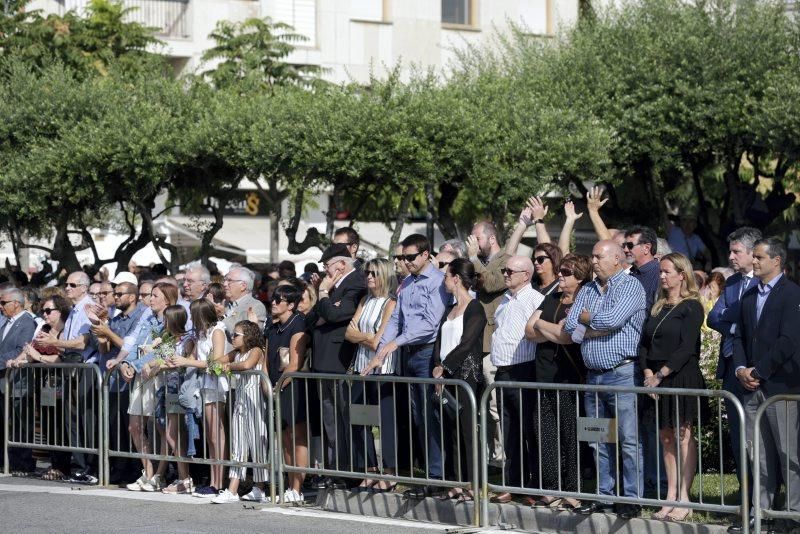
(31, 506)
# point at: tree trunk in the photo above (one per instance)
(447, 197)
(430, 215)
(274, 198)
(313, 237)
(208, 235)
(159, 241)
(63, 250)
(402, 213)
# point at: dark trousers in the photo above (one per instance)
(559, 440)
(83, 400)
(381, 395)
(732, 384)
(21, 423)
(458, 439)
(122, 469)
(335, 424)
(418, 363)
(517, 414)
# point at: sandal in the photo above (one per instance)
(662, 514)
(53, 475)
(464, 496)
(542, 503)
(566, 506)
(454, 493)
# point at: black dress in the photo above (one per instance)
(293, 396)
(672, 338)
(558, 364)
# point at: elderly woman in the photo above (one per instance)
(670, 358)
(365, 330)
(559, 361)
(55, 312)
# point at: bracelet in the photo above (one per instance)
(538, 221)
(659, 375)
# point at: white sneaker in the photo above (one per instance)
(291, 495)
(154, 484)
(137, 486)
(224, 497)
(255, 495)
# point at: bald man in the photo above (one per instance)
(607, 317)
(513, 355)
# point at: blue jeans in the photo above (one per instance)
(418, 362)
(622, 406)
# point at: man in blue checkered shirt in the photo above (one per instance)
(607, 320)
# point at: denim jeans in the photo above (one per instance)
(622, 406)
(418, 362)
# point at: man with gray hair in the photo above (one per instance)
(195, 281)
(14, 335)
(723, 317)
(455, 247)
(238, 284)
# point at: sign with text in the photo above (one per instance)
(248, 203)
(596, 429)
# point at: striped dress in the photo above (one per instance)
(370, 322)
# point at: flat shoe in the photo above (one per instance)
(565, 506)
(503, 498)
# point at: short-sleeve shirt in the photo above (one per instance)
(278, 336)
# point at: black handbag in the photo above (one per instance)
(448, 402)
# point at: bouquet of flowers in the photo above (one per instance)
(214, 367)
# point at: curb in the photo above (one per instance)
(394, 505)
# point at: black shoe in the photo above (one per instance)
(767, 527)
(629, 511)
(321, 482)
(594, 507)
(420, 492)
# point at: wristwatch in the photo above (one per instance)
(538, 221)
(754, 374)
(659, 375)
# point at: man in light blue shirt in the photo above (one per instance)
(412, 328)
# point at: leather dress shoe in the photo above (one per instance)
(502, 498)
(629, 511)
(594, 507)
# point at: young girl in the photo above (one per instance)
(249, 430)
(211, 348)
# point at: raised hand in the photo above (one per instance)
(538, 208)
(594, 198)
(569, 211)
(526, 216)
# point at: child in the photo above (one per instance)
(249, 431)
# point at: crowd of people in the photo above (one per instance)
(629, 314)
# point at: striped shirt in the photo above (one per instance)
(620, 311)
(370, 323)
(509, 346)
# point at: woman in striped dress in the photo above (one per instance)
(366, 330)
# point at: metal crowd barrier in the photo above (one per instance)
(597, 430)
(360, 415)
(65, 398)
(787, 448)
(161, 402)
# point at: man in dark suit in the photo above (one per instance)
(339, 295)
(767, 363)
(16, 332)
(723, 317)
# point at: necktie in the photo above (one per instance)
(745, 283)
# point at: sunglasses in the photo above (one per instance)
(443, 264)
(120, 295)
(70, 284)
(277, 300)
(407, 257)
(144, 295)
(48, 311)
(370, 273)
(630, 244)
(4, 302)
(238, 334)
(566, 272)
(541, 259)
(508, 272)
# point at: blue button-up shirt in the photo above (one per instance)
(763, 294)
(144, 336)
(78, 325)
(421, 302)
(122, 325)
(620, 311)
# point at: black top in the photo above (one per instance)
(279, 335)
(560, 364)
(465, 361)
(672, 337)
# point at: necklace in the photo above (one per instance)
(663, 319)
(282, 328)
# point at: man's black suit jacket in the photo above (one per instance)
(772, 343)
(331, 353)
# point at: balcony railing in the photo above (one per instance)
(171, 18)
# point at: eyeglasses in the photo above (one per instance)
(100, 294)
(566, 272)
(277, 300)
(4, 302)
(238, 334)
(120, 295)
(541, 259)
(70, 284)
(48, 311)
(443, 264)
(508, 272)
(407, 257)
(229, 280)
(630, 244)
(144, 295)
(370, 273)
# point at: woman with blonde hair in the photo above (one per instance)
(670, 358)
(365, 330)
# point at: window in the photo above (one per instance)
(457, 12)
(302, 15)
(367, 10)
